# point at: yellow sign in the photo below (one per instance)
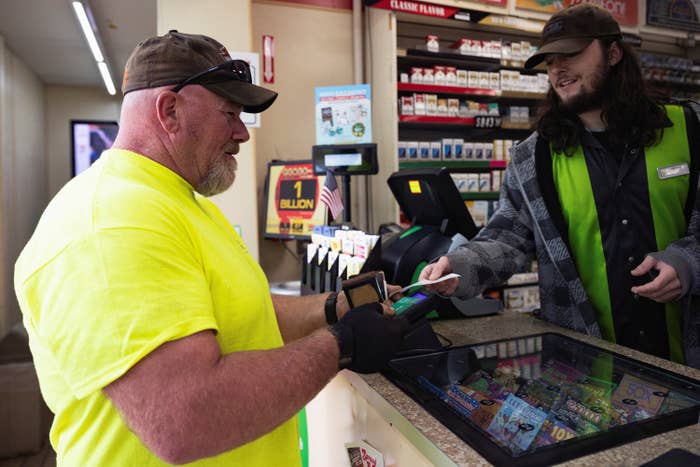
(414, 187)
(293, 207)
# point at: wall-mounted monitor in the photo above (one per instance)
(292, 204)
(88, 139)
(345, 159)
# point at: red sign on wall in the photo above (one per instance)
(268, 50)
(427, 9)
(624, 11)
(418, 8)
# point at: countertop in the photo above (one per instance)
(447, 449)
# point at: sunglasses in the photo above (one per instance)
(233, 69)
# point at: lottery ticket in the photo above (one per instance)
(516, 424)
(553, 431)
(636, 393)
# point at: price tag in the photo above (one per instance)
(485, 121)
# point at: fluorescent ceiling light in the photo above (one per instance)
(87, 30)
(90, 36)
(107, 78)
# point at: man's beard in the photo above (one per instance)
(586, 99)
(219, 177)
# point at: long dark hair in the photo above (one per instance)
(631, 109)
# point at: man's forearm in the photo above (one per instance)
(186, 401)
(264, 389)
(299, 316)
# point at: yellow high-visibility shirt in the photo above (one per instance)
(125, 258)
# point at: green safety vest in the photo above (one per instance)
(667, 197)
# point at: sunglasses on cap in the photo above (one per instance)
(233, 69)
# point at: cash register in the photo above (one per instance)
(439, 222)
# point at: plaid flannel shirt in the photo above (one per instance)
(522, 229)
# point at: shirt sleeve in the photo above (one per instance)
(108, 300)
(502, 248)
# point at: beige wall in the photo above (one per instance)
(63, 104)
(22, 170)
(313, 47)
(228, 22)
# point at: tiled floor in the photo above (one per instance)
(44, 458)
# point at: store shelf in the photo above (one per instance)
(508, 125)
(438, 89)
(667, 83)
(523, 278)
(522, 95)
(461, 91)
(446, 53)
(461, 164)
(427, 121)
(479, 195)
(446, 56)
(469, 121)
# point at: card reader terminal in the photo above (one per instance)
(416, 306)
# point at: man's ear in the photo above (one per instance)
(166, 110)
(614, 54)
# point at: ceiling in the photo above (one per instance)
(46, 36)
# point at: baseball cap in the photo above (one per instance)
(175, 57)
(572, 29)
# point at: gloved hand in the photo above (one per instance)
(368, 339)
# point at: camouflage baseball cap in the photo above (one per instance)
(572, 29)
(176, 57)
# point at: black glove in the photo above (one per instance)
(368, 339)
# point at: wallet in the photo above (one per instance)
(368, 287)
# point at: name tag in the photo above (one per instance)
(673, 171)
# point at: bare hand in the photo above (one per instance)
(666, 287)
(437, 270)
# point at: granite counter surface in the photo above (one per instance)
(380, 391)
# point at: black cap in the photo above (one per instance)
(572, 29)
(176, 56)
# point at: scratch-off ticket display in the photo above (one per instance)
(577, 399)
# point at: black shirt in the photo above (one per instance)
(621, 191)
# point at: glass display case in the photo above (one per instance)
(546, 398)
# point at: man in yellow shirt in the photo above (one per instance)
(153, 331)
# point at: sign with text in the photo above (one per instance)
(513, 22)
(683, 14)
(344, 114)
(624, 11)
(439, 9)
(292, 200)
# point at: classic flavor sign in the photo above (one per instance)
(624, 11)
(418, 8)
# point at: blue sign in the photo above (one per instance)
(344, 114)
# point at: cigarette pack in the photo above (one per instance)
(432, 43)
(485, 181)
(430, 104)
(439, 76)
(458, 148)
(447, 149)
(416, 75)
(424, 150)
(412, 149)
(403, 147)
(435, 150)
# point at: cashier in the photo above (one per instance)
(603, 195)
